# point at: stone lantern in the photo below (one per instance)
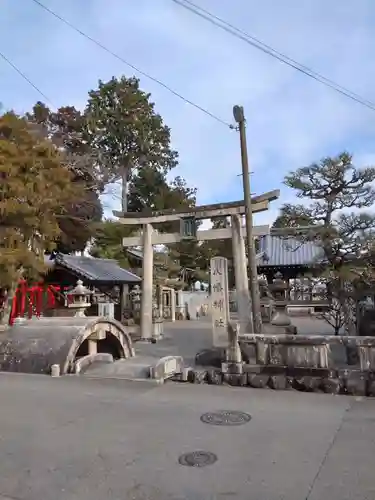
(281, 322)
(81, 300)
(266, 301)
(279, 288)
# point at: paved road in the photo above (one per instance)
(182, 338)
(186, 338)
(81, 439)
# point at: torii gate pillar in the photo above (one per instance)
(187, 218)
(240, 274)
(147, 278)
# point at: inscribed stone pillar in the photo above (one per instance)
(147, 268)
(240, 273)
(219, 301)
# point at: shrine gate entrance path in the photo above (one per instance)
(74, 438)
(186, 338)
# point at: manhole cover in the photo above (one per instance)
(226, 417)
(197, 459)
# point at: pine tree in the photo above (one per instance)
(337, 195)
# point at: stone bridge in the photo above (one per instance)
(36, 345)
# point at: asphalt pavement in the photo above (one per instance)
(74, 438)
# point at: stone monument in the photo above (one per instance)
(219, 301)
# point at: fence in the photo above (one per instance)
(311, 351)
(34, 300)
(311, 362)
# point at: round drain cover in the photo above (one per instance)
(197, 459)
(226, 417)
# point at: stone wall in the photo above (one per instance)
(333, 364)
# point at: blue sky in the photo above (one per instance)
(292, 120)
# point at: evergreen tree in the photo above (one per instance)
(126, 133)
(108, 241)
(35, 187)
(67, 129)
(293, 216)
(338, 195)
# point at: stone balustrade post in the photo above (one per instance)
(233, 362)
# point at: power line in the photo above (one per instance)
(8, 61)
(135, 68)
(267, 49)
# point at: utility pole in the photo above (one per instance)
(239, 117)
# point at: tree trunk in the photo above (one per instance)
(348, 311)
(7, 307)
(349, 323)
(124, 185)
(124, 190)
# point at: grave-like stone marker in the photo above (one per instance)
(219, 301)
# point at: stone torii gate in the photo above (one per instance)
(188, 231)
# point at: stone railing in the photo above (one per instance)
(310, 362)
(332, 364)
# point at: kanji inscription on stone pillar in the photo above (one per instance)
(219, 301)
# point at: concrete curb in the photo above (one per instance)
(151, 381)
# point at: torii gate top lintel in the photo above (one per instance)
(259, 204)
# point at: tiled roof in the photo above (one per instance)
(288, 252)
(97, 270)
(136, 253)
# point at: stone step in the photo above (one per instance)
(138, 368)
